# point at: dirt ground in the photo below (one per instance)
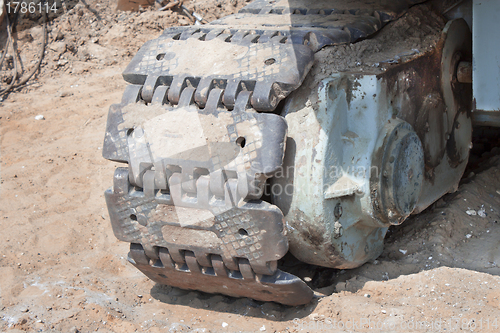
(62, 269)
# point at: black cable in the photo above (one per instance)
(4, 52)
(10, 41)
(13, 83)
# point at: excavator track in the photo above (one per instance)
(197, 130)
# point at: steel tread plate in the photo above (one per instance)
(274, 69)
(272, 52)
(388, 10)
(190, 137)
(253, 230)
(281, 287)
(333, 29)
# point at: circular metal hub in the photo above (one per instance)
(401, 173)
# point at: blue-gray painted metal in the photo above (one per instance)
(486, 50)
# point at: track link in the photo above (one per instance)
(279, 287)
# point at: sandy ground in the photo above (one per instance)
(62, 269)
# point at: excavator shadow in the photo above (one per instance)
(232, 305)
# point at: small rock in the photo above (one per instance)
(384, 312)
(64, 94)
(224, 324)
(62, 62)
(140, 296)
(39, 117)
(24, 310)
(59, 36)
(263, 328)
(367, 295)
(28, 38)
(481, 212)
(471, 212)
(73, 330)
(307, 279)
(313, 316)
(403, 251)
(58, 47)
(468, 236)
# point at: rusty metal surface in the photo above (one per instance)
(345, 186)
(399, 159)
(280, 287)
(464, 72)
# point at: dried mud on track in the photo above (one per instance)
(62, 269)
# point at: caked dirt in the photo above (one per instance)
(62, 269)
(412, 35)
